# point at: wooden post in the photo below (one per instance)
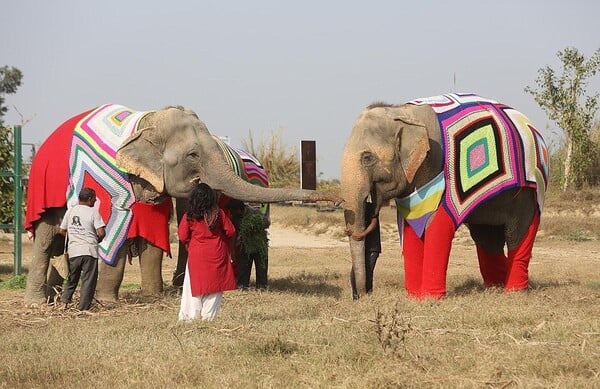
(308, 166)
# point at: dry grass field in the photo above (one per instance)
(307, 332)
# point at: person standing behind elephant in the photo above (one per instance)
(84, 229)
(372, 237)
(206, 232)
(251, 243)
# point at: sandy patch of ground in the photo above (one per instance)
(286, 237)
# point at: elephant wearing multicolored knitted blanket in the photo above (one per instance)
(447, 160)
(135, 161)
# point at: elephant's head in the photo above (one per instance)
(173, 149)
(391, 150)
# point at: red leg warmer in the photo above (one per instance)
(518, 277)
(412, 250)
(438, 242)
(493, 267)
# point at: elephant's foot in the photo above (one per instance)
(106, 296)
(38, 295)
(110, 278)
(35, 290)
(431, 295)
(34, 301)
(152, 290)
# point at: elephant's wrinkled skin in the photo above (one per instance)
(393, 150)
(170, 152)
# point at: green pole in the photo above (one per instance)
(18, 225)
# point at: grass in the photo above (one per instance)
(12, 283)
(307, 332)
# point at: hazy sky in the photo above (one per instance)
(305, 67)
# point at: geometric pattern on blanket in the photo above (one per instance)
(95, 142)
(244, 164)
(489, 147)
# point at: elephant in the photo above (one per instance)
(136, 161)
(447, 160)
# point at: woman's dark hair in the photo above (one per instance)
(203, 205)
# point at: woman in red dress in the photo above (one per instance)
(206, 232)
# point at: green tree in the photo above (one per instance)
(563, 98)
(10, 80)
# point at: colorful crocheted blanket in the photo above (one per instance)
(489, 148)
(417, 208)
(244, 164)
(50, 180)
(94, 146)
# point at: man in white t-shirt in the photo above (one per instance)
(84, 229)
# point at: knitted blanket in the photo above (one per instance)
(244, 164)
(94, 146)
(417, 208)
(80, 153)
(489, 148)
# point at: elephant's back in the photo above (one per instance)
(49, 173)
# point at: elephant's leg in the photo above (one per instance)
(41, 282)
(438, 242)
(111, 277)
(492, 266)
(150, 267)
(353, 284)
(370, 263)
(54, 283)
(493, 263)
(519, 257)
(412, 251)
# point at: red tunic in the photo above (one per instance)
(209, 260)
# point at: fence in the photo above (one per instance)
(17, 178)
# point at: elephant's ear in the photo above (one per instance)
(413, 143)
(141, 155)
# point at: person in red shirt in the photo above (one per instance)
(206, 231)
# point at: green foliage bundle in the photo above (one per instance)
(253, 235)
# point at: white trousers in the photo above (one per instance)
(203, 307)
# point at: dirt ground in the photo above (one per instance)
(278, 238)
(547, 252)
(547, 337)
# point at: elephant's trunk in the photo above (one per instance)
(354, 214)
(233, 186)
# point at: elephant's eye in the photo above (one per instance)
(368, 159)
(193, 155)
